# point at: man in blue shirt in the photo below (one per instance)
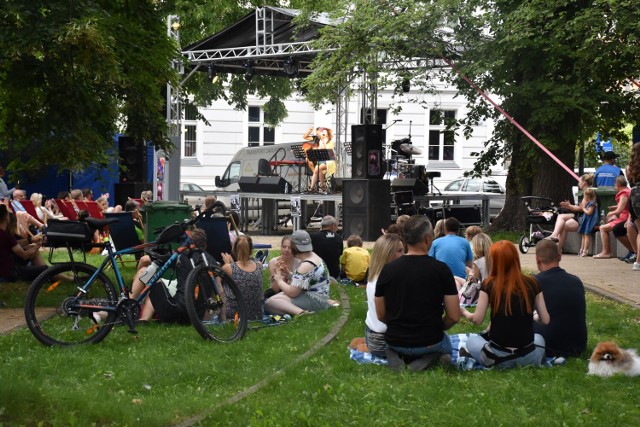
(452, 249)
(607, 173)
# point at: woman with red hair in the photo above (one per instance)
(512, 296)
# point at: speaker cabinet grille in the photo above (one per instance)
(133, 160)
(366, 151)
(366, 207)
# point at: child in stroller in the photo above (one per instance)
(540, 212)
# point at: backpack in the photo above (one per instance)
(470, 291)
(634, 198)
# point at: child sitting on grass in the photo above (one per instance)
(354, 261)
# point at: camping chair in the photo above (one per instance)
(30, 208)
(123, 233)
(93, 209)
(218, 241)
(67, 209)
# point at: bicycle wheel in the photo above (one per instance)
(57, 313)
(215, 304)
(524, 244)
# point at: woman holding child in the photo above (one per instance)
(512, 297)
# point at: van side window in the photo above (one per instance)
(232, 174)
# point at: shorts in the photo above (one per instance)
(619, 229)
(375, 342)
(305, 302)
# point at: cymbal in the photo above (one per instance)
(410, 149)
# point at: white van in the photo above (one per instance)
(254, 161)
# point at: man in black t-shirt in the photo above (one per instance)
(328, 245)
(566, 333)
(411, 294)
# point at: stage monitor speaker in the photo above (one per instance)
(467, 215)
(133, 160)
(365, 207)
(126, 190)
(249, 184)
(366, 151)
(274, 184)
(434, 214)
(418, 187)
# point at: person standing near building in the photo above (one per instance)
(607, 173)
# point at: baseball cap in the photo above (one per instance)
(610, 155)
(302, 240)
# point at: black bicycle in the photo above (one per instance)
(74, 302)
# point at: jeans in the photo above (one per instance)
(475, 344)
(444, 347)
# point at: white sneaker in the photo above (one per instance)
(636, 266)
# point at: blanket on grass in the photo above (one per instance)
(461, 362)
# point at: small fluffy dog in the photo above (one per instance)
(608, 359)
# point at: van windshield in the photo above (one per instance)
(232, 174)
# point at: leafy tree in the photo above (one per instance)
(74, 73)
(559, 68)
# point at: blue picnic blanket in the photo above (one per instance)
(461, 362)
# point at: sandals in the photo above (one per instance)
(583, 253)
(600, 256)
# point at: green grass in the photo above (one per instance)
(167, 374)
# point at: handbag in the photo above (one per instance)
(634, 199)
(470, 291)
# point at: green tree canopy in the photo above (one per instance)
(75, 73)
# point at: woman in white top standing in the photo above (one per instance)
(387, 248)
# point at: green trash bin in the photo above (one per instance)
(606, 197)
(162, 213)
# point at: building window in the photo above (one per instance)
(259, 133)
(190, 132)
(441, 139)
(367, 118)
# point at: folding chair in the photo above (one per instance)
(122, 233)
(67, 209)
(30, 208)
(93, 209)
(218, 240)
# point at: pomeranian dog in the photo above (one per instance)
(608, 359)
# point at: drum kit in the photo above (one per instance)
(400, 164)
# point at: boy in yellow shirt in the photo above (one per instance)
(354, 261)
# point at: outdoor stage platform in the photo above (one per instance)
(268, 212)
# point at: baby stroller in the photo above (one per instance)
(540, 211)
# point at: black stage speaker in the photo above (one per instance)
(274, 184)
(249, 184)
(433, 213)
(418, 187)
(366, 151)
(365, 207)
(133, 160)
(125, 190)
(467, 215)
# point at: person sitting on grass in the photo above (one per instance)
(285, 265)
(133, 207)
(166, 301)
(411, 294)
(512, 296)
(247, 273)
(309, 287)
(354, 261)
(566, 333)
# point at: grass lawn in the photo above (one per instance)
(168, 375)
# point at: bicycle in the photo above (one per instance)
(87, 305)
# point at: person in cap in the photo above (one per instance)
(607, 173)
(309, 286)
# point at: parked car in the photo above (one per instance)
(192, 193)
(479, 186)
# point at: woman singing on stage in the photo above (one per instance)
(322, 140)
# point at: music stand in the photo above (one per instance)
(298, 152)
(321, 155)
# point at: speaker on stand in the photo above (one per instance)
(133, 160)
(366, 151)
(365, 207)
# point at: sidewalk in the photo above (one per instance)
(610, 278)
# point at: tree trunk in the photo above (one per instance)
(534, 174)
